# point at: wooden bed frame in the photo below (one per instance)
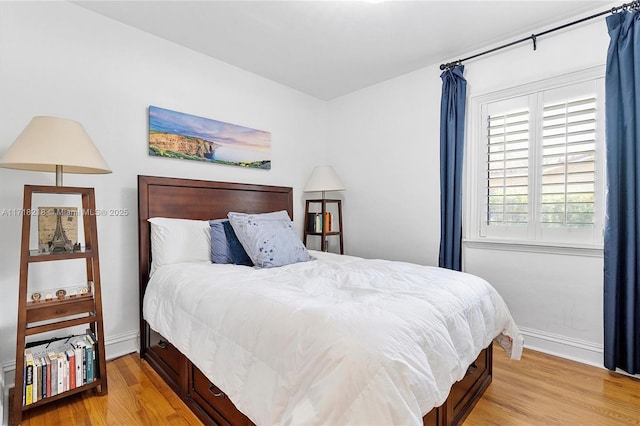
(204, 200)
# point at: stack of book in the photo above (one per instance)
(57, 366)
(315, 222)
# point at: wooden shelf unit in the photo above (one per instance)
(324, 233)
(60, 313)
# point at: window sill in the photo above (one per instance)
(536, 247)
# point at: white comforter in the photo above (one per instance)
(338, 340)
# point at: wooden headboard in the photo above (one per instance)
(201, 200)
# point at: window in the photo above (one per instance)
(539, 163)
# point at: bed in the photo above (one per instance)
(232, 364)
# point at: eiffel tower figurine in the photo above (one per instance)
(59, 242)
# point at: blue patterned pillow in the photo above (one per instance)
(269, 238)
(225, 247)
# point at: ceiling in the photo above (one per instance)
(331, 48)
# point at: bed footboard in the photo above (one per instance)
(213, 407)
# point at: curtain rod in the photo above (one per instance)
(534, 37)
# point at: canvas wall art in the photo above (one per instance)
(178, 135)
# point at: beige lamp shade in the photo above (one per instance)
(323, 179)
(51, 144)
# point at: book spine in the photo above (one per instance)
(37, 394)
(24, 381)
(72, 368)
(66, 383)
(327, 222)
(84, 362)
(89, 360)
(29, 379)
(65, 372)
(48, 375)
(46, 368)
(311, 222)
(60, 385)
(29, 384)
(78, 367)
(53, 382)
(42, 387)
(94, 353)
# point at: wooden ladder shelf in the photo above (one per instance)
(61, 312)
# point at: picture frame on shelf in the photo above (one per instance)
(57, 229)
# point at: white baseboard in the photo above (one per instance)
(114, 346)
(123, 344)
(564, 347)
(8, 371)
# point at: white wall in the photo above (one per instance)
(384, 142)
(59, 59)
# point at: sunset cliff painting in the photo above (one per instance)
(188, 137)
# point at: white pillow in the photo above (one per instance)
(179, 240)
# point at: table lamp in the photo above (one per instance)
(324, 179)
(51, 144)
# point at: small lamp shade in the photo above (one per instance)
(323, 179)
(51, 144)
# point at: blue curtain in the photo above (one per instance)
(452, 111)
(622, 227)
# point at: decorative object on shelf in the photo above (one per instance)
(323, 179)
(57, 229)
(51, 144)
(58, 293)
(188, 137)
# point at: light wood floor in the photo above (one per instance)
(542, 389)
(538, 390)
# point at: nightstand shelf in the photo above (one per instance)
(326, 231)
(60, 311)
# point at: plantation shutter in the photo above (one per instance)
(568, 163)
(507, 168)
